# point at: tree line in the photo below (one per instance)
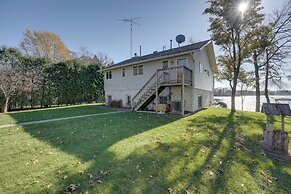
(43, 74)
(247, 36)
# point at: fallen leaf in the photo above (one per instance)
(90, 176)
(220, 171)
(91, 183)
(170, 190)
(72, 187)
(49, 186)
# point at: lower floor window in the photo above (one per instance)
(128, 100)
(199, 101)
(163, 100)
(109, 98)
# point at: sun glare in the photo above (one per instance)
(243, 7)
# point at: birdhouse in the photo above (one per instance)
(275, 140)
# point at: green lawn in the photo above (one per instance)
(51, 113)
(143, 153)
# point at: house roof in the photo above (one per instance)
(160, 54)
(276, 109)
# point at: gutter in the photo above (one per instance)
(148, 60)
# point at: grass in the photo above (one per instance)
(211, 151)
(51, 113)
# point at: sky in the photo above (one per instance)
(95, 23)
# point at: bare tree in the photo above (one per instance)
(11, 74)
(278, 47)
(103, 59)
(83, 51)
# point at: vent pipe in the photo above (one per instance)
(140, 50)
(171, 42)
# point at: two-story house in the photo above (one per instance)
(180, 77)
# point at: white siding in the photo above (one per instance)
(202, 80)
(120, 87)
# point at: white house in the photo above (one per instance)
(181, 77)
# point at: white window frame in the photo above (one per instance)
(137, 70)
(128, 100)
(200, 100)
(123, 72)
(108, 98)
(184, 65)
(166, 62)
(140, 70)
(108, 75)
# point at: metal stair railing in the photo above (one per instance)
(136, 100)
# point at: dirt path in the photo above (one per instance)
(57, 119)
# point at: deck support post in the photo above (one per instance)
(183, 93)
(157, 89)
(282, 122)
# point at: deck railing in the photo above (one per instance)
(174, 75)
(170, 76)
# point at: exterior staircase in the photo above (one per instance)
(146, 94)
(157, 83)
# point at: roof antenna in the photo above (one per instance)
(131, 21)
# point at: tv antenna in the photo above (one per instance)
(131, 21)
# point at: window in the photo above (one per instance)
(138, 70)
(201, 67)
(123, 72)
(128, 100)
(109, 99)
(109, 75)
(165, 65)
(182, 62)
(163, 100)
(135, 70)
(199, 101)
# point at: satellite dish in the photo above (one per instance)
(180, 38)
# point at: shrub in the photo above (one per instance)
(116, 103)
(100, 99)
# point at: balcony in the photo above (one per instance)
(174, 76)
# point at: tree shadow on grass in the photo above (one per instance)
(157, 161)
(89, 139)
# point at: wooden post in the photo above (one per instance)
(183, 92)
(157, 89)
(282, 122)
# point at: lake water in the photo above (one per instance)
(249, 101)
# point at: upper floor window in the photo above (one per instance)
(108, 74)
(138, 70)
(123, 72)
(165, 65)
(182, 62)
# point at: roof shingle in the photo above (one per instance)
(181, 49)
